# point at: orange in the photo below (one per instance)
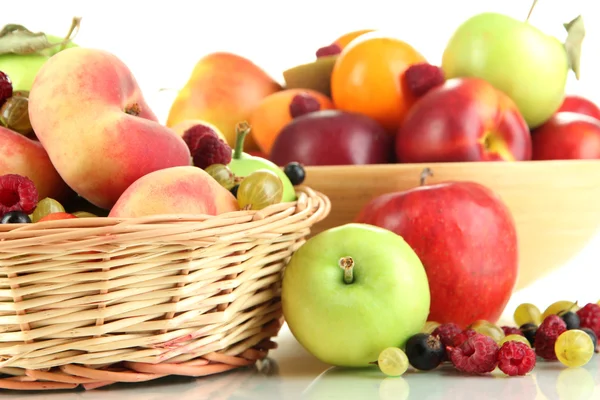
(367, 78)
(273, 113)
(345, 39)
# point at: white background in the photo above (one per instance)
(162, 40)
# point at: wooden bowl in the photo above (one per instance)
(556, 204)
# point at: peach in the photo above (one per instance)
(26, 157)
(223, 89)
(176, 190)
(89, 114)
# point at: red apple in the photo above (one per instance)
(464, 119)
(466, 239)
(567, 136)
(580, 105)
(333, 137)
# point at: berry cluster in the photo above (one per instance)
(564, 332)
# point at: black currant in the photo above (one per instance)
(234, 190)
(424, 351)
(15, 217)
(529, 330)
(571, 319)
(295, 172)
(592, 335)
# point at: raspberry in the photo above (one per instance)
(303, 103)
(546, 335)
(6, 88)
(477, 355)
(420, 78)
(330, 50)
(206, 147)
(515, 358)
(511, 330)
(462, 337)
(589, 317)
(446, 332)
(17, 193)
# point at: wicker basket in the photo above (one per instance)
(93, 301)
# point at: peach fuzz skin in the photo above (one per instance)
(464, 119)
(176, 190)
(89, 114)
(223, 89)
(27, 157)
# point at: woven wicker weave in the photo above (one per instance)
(92, 301)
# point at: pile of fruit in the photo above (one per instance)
(499, 94)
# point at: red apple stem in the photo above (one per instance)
(241, 131)
(347, 264)
(427, 172)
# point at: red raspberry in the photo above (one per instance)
(330, 50)
(17, 193)
(446, 332)
(420, 78)
(206, 147)
(511, 330)
(477, 355)
(589, 317)
(303, 103)
(515, 358)
(546, 335)
(462, 337)
(6, 88)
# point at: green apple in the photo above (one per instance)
(351, 291)
(243, 164)
(22, 68)
(517, 58)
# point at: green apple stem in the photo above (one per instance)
(531, 10)
(347, 264)
(241, 131)
(427, 172)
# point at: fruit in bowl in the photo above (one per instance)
(352, 291)
(333, 137)
(465, 237)
(580, 105)
(89, 114)
(567, 136)
(519, 59)
(463, 119)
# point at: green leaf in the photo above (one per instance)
(575, 35)
(17, 39)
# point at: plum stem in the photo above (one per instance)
(241, 130)
(347, 264)
(531, 10)
(427, 172)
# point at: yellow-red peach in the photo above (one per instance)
(26, 157)
(176, 190)
(88, 112)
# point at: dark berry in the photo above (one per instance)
(446, 333)
(234, 190)
(529, 330)
(303, 103)
(6, 88)
(422, 77)
(424, 351)
(330, 50)
(589, 317)
(515, 358)
(546, 335)
(295, 172)
(476, 355)
(571, 319)
(17, 193)
(206, 147)
(592, 336)
(15, 217)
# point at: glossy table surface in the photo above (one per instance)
(291, 372)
